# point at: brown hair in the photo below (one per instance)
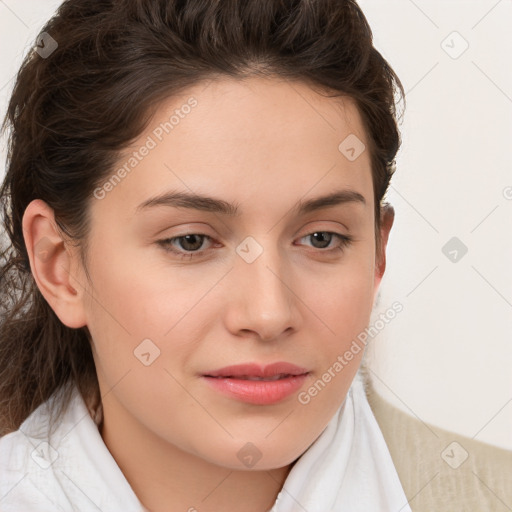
(72, 113)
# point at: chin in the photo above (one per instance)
(260, 455)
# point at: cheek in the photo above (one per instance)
(143, 312)
(122, 310)
(344, 309)
(345, 299)
(129, 295)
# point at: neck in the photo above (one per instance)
(166, 478)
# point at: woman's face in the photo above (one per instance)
(182, 288)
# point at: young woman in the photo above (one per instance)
(196, 237)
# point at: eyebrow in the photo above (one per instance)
(179, 199)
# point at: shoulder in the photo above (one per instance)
(25, 457)
(442, 470)
(64, 468)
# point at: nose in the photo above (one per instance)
(263, 303)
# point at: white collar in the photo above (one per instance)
(71, 470)
(348, 468)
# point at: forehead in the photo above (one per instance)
(254, 140)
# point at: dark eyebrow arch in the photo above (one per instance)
(195, 201)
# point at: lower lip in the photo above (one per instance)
(259, 392)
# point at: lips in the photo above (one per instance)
(254, 384)
(252, 377)
(252, 371)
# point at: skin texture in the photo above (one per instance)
(263, 144)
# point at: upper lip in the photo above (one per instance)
(256, 370)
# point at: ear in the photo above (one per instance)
(52, 263)
(387, 217)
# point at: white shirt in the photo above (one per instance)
(347, 469)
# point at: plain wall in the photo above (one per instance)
(447, 357)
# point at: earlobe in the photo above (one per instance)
(51, 264)
(386, 223)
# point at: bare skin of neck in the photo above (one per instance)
(167, 479)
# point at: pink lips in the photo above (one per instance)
(258, 385)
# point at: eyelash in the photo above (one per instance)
(345, 241)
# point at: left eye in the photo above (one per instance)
(192, 242)
(320, 237)
(189, 245)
